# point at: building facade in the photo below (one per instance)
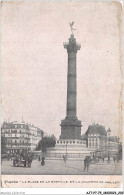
(20, 136)
(96, 137)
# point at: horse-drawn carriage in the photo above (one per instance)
(102, 154)
(98, 155)
(21, 160)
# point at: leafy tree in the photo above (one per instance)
(46, 142)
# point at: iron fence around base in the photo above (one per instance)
(69, 155)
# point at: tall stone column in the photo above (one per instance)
(72, 48)
(71, 126)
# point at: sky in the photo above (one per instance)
(34, 62)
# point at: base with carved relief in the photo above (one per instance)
(70, 129)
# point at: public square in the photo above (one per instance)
(56, 82)
(57, 166)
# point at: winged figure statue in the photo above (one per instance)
(71, 26)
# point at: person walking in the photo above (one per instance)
(43, 161)
(64, 158)
(87, 162)
(108, 158)
(39, 158)
(114, 159)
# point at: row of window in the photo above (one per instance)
(22, 126)
(66, 142)
(93, 139)
(16, 141)
(18, 135)
(18, 145)
(12, 151)
(93, 135)
(93, 144)
(14, 131)
(21, 131)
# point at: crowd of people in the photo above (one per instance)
(88, 160)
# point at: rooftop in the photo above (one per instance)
(96, 129)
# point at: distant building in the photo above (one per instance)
(113, 143)
(96, 136)
(114, 139)
(20, 136)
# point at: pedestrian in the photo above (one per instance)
(43, 161)
(103, 158)
(87, 162)
(64, 158)
(29, 160)
(39, 158)
(108, 158)
(114, 158)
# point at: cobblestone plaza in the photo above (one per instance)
(72, 167)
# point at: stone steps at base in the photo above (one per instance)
(78, 159)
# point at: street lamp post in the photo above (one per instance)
(66, 148)
(108, 133)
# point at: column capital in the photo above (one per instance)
(72, 45)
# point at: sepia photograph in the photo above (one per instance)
(61, 88)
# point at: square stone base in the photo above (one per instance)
(70, 129)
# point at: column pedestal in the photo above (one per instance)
(70, 129)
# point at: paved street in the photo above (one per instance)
(72, 167)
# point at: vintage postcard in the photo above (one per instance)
(61, 94)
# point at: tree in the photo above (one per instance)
(3, 145)
(46, 142)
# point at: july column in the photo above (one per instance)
(72, 48)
